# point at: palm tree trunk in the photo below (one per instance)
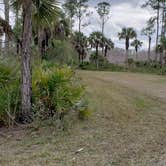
(6, 3)
(106, 50)
(127, 49)
(26, 61)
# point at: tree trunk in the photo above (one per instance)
(127, 49)
(157, 31)
(18, 49)
(79, 21)
(149, 49)
(6, 3)
(103, 36)
(26, 62)
(79, 29)
(163, 27)
(97, 55)
(136, 51)
(106, 50)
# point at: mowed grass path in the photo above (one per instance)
(127, 127)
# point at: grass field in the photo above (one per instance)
(127, 127)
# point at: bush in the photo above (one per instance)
(9, 92)
(55, 92)
(130, 62)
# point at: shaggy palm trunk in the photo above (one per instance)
(26, 62)
(127, 49)
(106, 50)
(6, 3)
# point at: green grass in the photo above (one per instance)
(126, 127)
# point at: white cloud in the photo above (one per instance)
(121, 15)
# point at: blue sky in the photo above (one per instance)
(123, 13)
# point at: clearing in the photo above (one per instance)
(127, 127)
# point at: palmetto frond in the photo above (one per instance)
(136, 43)
(45, 11)
(127, 33)
(96, 38)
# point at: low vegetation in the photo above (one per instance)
(55, 92)
(130, 66)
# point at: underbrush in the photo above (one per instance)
(56, 91)
(138, 66)
(62, 52)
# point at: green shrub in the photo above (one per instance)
(9, 92)
(130, 61)
(55, 91)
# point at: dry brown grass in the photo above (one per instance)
(127, 127)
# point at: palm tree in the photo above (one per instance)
(103, 10)
(80, 44)
(108, 45)
(96, 40)
(136, 44)
(44, 13)
(127, 34)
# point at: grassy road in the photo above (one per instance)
(127, 127)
